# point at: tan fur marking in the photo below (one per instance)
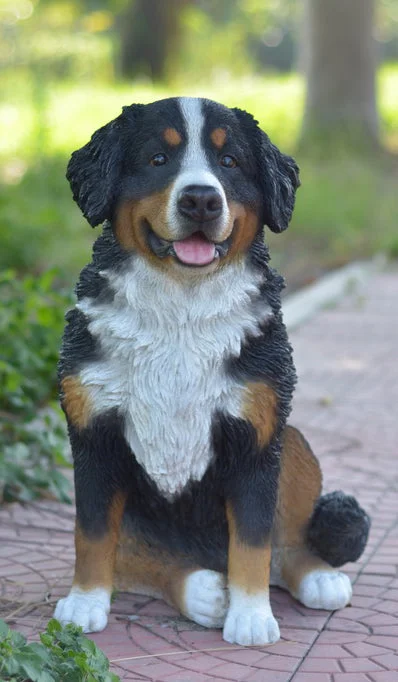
(248, 567)
(218, 137)
(260, 409)
(95, 559)
(297, 564)
(300, 485)
(172, 137)
(130, 229)
(131, 214)
(76, 401)
(148, 570)
(243, 224)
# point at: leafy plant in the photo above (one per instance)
(63, 653)
(32, 432)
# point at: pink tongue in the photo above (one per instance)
(195, 250)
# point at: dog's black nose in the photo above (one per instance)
(200, 203)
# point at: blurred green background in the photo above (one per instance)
(67, 68)
(320, 76)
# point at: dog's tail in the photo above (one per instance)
(338, 528)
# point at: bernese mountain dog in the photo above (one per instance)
(176, 378)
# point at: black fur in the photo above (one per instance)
(250, 477)
(339, 528)
(94, 172)
(78, 345)
(106, 250)
(102, 466)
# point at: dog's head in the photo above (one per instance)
(186, 182)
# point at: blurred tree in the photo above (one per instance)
(259, 33)
(88, 38)
(340, 63)
(150, 36)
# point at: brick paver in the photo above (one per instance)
(346, 404)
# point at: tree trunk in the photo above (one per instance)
(340, 64)
(149, 37)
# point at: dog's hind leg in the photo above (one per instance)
(198, 593)
(297, 565)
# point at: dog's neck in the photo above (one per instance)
(169, 301)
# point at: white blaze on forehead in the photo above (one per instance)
(195, 168)
(195, 156)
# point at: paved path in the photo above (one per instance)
(346, 403)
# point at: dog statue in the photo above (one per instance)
(177, 376)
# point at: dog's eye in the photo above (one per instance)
(228, 161)
(158, 160)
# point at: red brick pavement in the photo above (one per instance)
(346, 403)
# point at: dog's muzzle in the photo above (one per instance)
(198, 223)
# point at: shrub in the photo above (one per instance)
(32, 432)
(62, 654)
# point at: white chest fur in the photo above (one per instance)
(164, 346)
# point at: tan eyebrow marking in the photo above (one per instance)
(172, 137)
(218, 137)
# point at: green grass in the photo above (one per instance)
(344, 210)
(344, 207)
(64, 115)
(42, 226)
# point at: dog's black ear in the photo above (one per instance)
(279, 180)
(94, 171)
(278, 174)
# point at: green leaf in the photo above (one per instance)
(89, 646)
(53, 626)
(47, 677)
(4, 629)
(31, 665)
(11, 665)
(38, 650)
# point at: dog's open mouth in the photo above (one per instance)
(193, 251)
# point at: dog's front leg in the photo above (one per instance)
(251, 492)
(100, 501)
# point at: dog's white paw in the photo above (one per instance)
(206, 598)
(89, 609)
(250, 621)
(325, 590)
